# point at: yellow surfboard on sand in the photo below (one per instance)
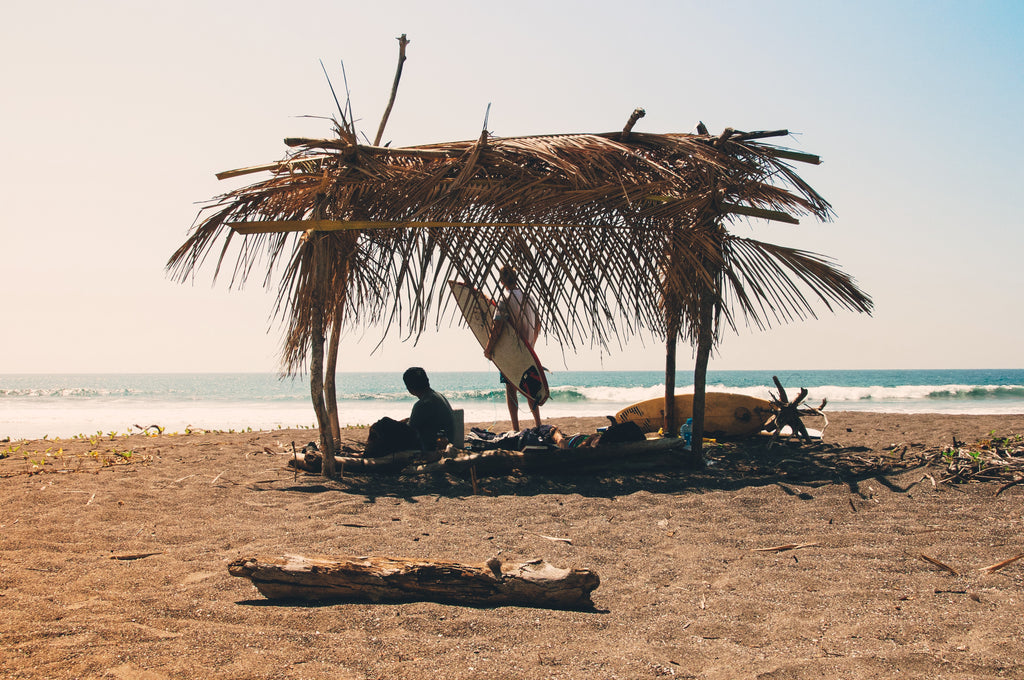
(725, 414)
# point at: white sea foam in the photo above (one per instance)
(65, 406)
(64, 420)
(67, 420)
(971, 397)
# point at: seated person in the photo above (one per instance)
(431, 414)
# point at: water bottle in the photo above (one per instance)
(686, 432)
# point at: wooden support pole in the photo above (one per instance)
(670, 426)
(705, 341)
(331, 372)
(316, 361)
(376, 579)
(316, 389)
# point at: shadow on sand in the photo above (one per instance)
(794, 467)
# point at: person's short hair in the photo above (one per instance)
(508, 275)
(416, 379)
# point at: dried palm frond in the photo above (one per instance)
(611, 236)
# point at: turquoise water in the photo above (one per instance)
(65, 405)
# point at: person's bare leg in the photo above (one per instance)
(513, 405)
(535, 410)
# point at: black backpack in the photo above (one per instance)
(387, 436)
(620, 433)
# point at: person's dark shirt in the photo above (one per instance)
(430, 414)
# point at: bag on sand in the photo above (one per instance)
(387, 435)
(620, 433)
(537, 436)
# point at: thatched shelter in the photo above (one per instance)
(614, 233)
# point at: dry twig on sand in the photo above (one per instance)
(125, 557)
(940, 565)
(784, 547)
(992, 568)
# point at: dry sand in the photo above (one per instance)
(684, 591)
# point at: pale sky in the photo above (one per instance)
(116, 115)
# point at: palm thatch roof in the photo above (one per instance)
(613, 232)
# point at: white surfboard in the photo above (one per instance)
(787, 431)
(512, 355)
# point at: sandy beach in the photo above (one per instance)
(114, 554)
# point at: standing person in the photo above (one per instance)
(517, 309)
(431, 414)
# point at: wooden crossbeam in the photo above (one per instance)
(738, 136)
(282, 226)
(763, 213)
(750, 211)
(367, 148)
(793, 155)
(276, 166)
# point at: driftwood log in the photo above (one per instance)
(643, 454)
(649, 453)
(385, 579)
(312, 461)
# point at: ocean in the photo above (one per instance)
(33, 406)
